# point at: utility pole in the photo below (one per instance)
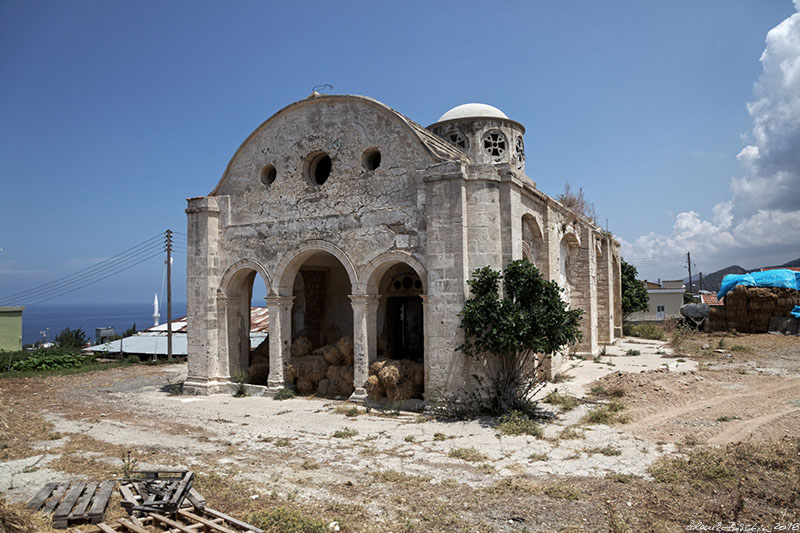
(701, 281)
(169, 294)
(688, 260)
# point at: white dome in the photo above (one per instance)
(472, 111)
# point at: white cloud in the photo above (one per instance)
(761, 220)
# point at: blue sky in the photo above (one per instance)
(112, 114)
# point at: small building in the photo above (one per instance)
(11, 328)
(364, 228)
(710, 299)
(666, 299)
(152, 342)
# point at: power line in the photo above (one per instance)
(125, 260)
(142, 247)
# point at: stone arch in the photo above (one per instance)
(533, 244)
(233, 306)
(567, 267)
(396, 284)
(233, 275)
(287, 268)
(378, 266)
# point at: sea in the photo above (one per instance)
(43, 322)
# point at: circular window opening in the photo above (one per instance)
(268, 175)
(372, 159)
(494, 143)
(319, 168)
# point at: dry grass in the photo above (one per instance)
(14, 518)
(472, 455)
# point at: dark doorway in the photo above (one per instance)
(404, 315)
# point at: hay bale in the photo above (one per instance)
(258, 374)
(389, 374)
(291, 372)
(301, 347)
(305, 386)
(15, 517)
(311, 367)
(323, 387)
(345, 346)
(375, 390)
(257, 358)
(331, 354)
(404, 390)
(341, 378)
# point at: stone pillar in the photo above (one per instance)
(605, 294)
(202, 283)
(586, 288)
(280, 338)
(365, 307)
(427, 324)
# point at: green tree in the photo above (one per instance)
(71, 338)
(634, 294)
(505, 332)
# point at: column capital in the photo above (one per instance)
(279, 300)
(363, 299)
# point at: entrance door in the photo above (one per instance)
(404, 314)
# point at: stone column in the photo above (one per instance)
(365, 308)
(280, 338)
(427, 324)
(202, 282)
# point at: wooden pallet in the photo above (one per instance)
(77, 501)
(159, 492)
(185, 521)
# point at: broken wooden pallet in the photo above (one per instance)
(71, 502)
(156, 491)
(207, 520)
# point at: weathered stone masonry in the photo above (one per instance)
(359, 221)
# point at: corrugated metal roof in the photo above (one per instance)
(154, 340)
(259, 322)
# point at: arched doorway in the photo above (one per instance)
(533, 246)
(320, 325)
(244, 343)
(397, 365)
(568, 264)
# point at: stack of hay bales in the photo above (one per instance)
(258, 371)
(396, 380)
(749, 309)
(326, 371)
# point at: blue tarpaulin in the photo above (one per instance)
(795, 312)
(781, 277)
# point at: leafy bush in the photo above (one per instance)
(506, 330)
(71, 338)
(284, 394)
(42, 359)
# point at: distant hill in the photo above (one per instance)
(712, 281)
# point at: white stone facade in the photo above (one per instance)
(363, 223)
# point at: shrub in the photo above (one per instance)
(564, 401)
(284, 394)
(504, 334)
(345, 433)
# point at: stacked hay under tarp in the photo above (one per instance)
(395, 380)
(258, 371)
(326, 371)
(750, 309)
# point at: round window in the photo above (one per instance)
(494, 144)
(318, 167)
(268, 175)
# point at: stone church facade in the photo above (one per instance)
(363, 224)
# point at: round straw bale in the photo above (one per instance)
(345, 345)
(258, 374)
(416, 371)
(311, 367)
(390, 373)
(375, 367)
(331, 354)
(291, 371)
(301, 346)
(404, 390)
(305, 386)
(258, 358)
(375, 390)
(323, 387)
